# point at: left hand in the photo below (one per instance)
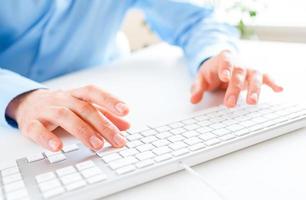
(223, 72)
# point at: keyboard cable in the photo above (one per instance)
(202, 179)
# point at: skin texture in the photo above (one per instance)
(93, 115)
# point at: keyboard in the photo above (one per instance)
(79, 173)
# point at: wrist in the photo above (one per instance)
(14, 106)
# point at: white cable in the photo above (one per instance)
(197, 175)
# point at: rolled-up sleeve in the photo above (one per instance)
(12, 85)
(194, 27)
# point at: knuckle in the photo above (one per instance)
(85, 108)
(61, 112)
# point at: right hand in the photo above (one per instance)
(88, 113)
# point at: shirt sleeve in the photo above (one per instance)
(12, 85)
(193, 27)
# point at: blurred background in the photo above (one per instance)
(267, 20)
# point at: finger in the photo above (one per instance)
(97, 96)
(91, 115)
(39, 134)
(198, 89)
(225, 66)
(117, 121)
(235, 86)
(69, 121)
(269, 82)
(254, 86)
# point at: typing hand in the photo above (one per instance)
(223, 72)
(88, 113)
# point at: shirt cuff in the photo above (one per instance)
(207, 53)
(14, 86)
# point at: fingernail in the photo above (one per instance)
(121, 108)
(53, 144)
(226, 73)
(95, 142)
(119, 139)
(231, 100)
(254, 97)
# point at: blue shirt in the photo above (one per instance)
(43, 39)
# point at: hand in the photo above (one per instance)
(223, 72)
(88, 113)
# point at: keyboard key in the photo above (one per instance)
(176, 138)
(75, 185)
(97, 178)
(51, 153)
(145, 155)
(177, 145)
(70, 148)
(149, 139)
(111, 157)
(192, 141)
(125, 169)
(204, 130)
(56, 158)
(134, 136)
(180, 152)
(144, 163)
(65, 171)
(235, 127)
(122, 162)
(19, 194)
(160, 143)
(217, 126)
(221, 131)
(201, 118)
(163, 128)
(53, 192)
(91, 172)
(128, 152)
(204, 123)
(35, 157)
(11, 178)
(212, 141)
(85, 164)
(134, 144)
(207, 136)
(163, 135)
(189, 121)
(191, 127)
(190, 134)
(71, 178)
(44, 186)
(177, 131)
(149, 132)
(197, 146)
(227, 137)
(161, 150)
(13, 186)
(10, 171)
(45, 177)
(145, 147)
(163, 157)
(176, 125)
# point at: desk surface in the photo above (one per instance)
(155, 83)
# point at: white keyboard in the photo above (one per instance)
(79, 173)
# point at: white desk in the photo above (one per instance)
(156, 85)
